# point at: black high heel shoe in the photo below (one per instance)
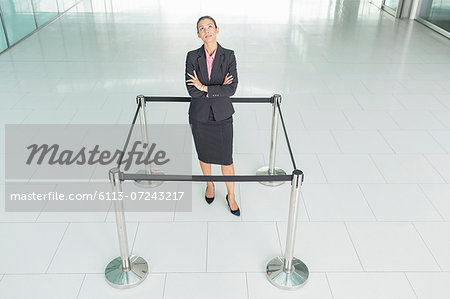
(209, 200)
(234, 212)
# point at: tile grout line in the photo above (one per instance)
(438, 143)
(321, 167)
(431, 202)
(329, 285)
(410, 284)
(279, 239)
(135, 236)
(367, 202)
(387, 142)
(426, 245)
(336, 141)
(348, 120)
(376, 166)
(164, 287)
(207, 240)
(438, 119)
(246, 283)
(81, 286)
(354, 248)
(303, 201)
(434, 168)
(57, 247)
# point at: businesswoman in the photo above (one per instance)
(211, 78)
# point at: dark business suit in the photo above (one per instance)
(218, 95)
(210, 116)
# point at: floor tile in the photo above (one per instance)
(216, 211)
(442, 164)
(323, 246)
(407, 168)
(443, 116)
(29, 247)
(439, 195)
(444, 99)
(173, 247)
(419, 101)
(95, 286)
(350, 169)
(336, 202)
(390, 246)
(436, 236)
(311, 142)
(336, 101)
(377, 102)
(264, 203)
(324, 120)
(103, 247)
(442, 137)
(430, 285)
(316, 287)
(41, 286)
(361, 142)
(399, 202)
(370, 120)
(412, 142)
(308, 163)
(206, 285)
(370, 286)
(416, 120)
(241, 247)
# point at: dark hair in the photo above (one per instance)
(206, 17)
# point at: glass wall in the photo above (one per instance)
(436, 12)
(45, 11)
(392, 4)
(22, 17)
(18, 17)
(3, 44)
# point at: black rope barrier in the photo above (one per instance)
(203, 178)
(129, 135)
(188, 99)
(285, 135)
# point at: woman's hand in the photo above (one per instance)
(228, 79)
(196, 82)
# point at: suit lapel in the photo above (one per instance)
(217, 62)
(203, 76)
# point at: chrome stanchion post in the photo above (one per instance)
(288, 272)
(271, 169)
(148, 170)
(124, 271)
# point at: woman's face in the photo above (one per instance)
(207, 31)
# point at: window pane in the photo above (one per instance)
(65, 4)
(436, 12)
(392, 4)
(18, 17)
(3, 44)
(45, 10)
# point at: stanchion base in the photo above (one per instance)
(265, 171)
(120, 279)
(284, 280)
(149, 184)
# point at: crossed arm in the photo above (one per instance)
(197, 89)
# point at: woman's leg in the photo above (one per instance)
(229, 170)
(206, 169)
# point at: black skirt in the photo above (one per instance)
(213, 139)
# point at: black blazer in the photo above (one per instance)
(218, 94)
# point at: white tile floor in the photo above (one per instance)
(366, 101)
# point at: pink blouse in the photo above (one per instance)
(209, 62)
